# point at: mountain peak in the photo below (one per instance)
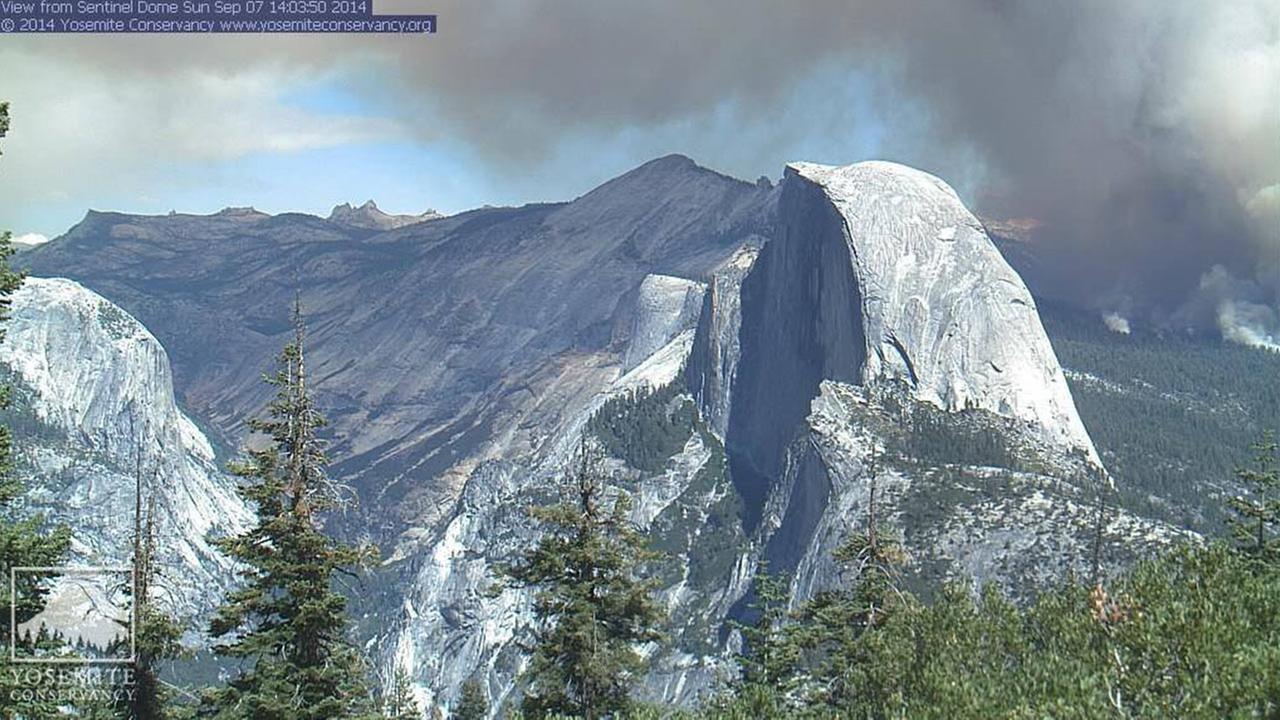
(672, 164)
(370, 217)
(672, 161)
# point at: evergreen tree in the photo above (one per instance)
(288, 621)
(398, 701)
(592, 609)
(769, 661)
(28, 542)
(839, 626)
(770, 656)
(1255, 518)
(156, 634)
(472, 704)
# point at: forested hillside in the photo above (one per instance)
(1172, 415)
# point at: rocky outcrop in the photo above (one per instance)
(369, 217)
(1019, 513)
(666, 306)
(93, 410)
(940, 308)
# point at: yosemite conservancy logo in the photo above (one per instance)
(83, 617)
(78, 622)
(96, 684)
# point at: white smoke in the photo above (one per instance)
(1249, 324)
(1116, 323)
(1239, 308)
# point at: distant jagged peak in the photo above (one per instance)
(368, 216)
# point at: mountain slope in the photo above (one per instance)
(1173, 414)
(433, 344)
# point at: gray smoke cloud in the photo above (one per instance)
(1144, 135)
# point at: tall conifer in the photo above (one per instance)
(593, 609)
(288, 621)
(1255, 518)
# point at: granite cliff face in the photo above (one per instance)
(93, 409)
(852, 328)
(941, 309)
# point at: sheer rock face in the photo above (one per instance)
(940, 307)
(713, 363)
(875, 273)
(876, 277)
(94, 407)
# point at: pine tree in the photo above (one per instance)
(472, 704)
(156, 634)
(28, 542)
(398, 702)
(770, 655)
(1255, 518)
(837, 625)
(770, 658)
(288, 620)
(592, 609)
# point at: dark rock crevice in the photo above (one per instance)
(801, 324)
